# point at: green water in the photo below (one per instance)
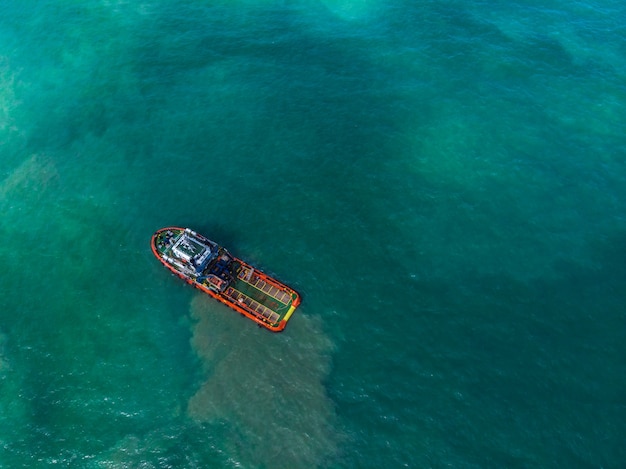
(445, 185)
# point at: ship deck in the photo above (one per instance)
(249, 291)
(261, 295)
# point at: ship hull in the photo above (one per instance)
(211, 269)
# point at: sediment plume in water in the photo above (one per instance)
(266, 388)
(32, 176)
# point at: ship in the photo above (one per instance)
(213, 270)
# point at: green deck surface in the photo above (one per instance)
(261, 297)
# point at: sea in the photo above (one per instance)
(443, 182)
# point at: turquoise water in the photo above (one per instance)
(443, 182)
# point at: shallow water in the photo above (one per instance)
(445, 185)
